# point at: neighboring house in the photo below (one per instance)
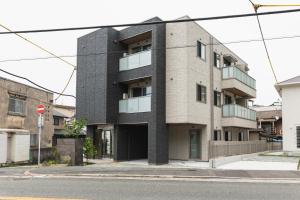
(162, 91)
(289, 91)
(269, 120)
(62, 115)
(18, 120)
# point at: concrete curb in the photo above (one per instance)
(164, 177)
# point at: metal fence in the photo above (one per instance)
(230, 148)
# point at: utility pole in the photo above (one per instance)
(40, 110)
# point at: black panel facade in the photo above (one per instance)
(100, 86)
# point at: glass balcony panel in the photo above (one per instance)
(136, 60)
(145, 58)
(133, 105)
(145, 104)
(234, 72)
(234, 110)
(123, 106)
(123, 64)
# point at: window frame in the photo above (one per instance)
(17, 98)
(217, 135)
(217, 57)
(217, 98)
(298, 136)
(201, 50)
(56, 119)
(201, 95)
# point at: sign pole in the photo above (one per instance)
(40, 133)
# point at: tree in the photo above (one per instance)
(89, 150)
(75, 128)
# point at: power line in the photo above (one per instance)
(37, 85)
(48, 52)
(67, 84)
(176, 47)
(38, 46)
(156, 22)
(264, 42)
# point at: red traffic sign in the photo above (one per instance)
(40, 109)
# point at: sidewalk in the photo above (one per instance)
(125, 169)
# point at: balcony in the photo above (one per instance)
(238, 82)
(135, 105)
(238, 116)
(136, 60)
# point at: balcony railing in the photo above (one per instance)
(234, 110)
(136, 60)
(135, 105)
(234, 72)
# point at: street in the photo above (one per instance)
(78, 188)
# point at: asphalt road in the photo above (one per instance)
(143, 189)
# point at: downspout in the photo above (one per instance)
(211, 87)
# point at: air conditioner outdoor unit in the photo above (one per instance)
(125, 96)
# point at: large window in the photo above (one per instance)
(217, 61)
(217, 98)
(201, 93)
(17, 105)
(298, 136)
(201, 50)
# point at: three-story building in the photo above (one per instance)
(162, 91)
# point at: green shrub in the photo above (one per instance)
(89, 150)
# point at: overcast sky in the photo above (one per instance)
(53, 74)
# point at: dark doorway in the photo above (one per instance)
(131, 142)
(138, 142)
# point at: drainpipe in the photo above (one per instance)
(211, 86)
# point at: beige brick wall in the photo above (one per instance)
(184, 70)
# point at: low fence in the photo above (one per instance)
(46, 154)
(231, 148)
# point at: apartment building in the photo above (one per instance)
(162, 91)
(18, 120)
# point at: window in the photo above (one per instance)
(56, 121)
(201, 50)
(201, 93)
(240, 138)
(17, 104)
(140, 48)
(217, 135)
(227, 136)
(217, 98)
(227, 99)
(298, 136)
(141, 91)
(226, 62)
(33, 140)
(217, 62)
